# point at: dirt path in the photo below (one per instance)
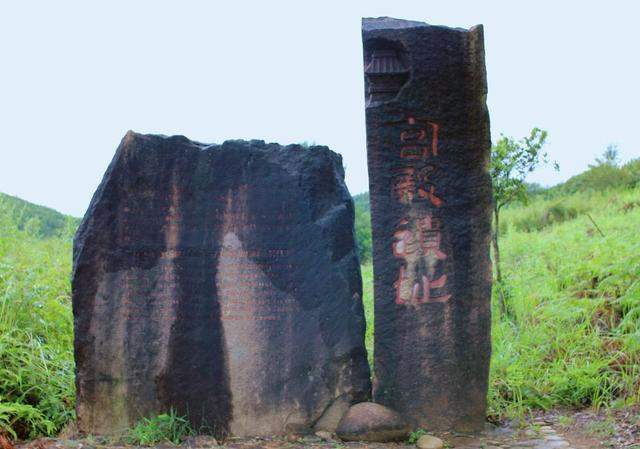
(557, 429)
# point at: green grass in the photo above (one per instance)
(36, 331)
(367, 294)
(575, 296)
(575, 339)
(165, 428)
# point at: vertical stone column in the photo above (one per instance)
(428, 150)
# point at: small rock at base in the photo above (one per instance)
(292, 437)
(372, 422)
(429, 442)
(200, 441)
(325, 435)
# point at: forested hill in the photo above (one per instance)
(40, 221)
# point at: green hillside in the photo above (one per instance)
(572, 284)
(38, 220)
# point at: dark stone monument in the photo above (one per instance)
(428, 151)
(222, 281)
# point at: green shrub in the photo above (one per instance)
(415, 436)
(167, 427)
(632, 172)
(536, 219)
(600, 177)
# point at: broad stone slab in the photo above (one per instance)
(428, 151)
(222, 281)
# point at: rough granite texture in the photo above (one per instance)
(222, 281)
(428, 148)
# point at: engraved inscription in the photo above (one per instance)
(417, 237)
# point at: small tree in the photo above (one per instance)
(511, 162)
(610, 157)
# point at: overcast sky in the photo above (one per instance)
(75, 76)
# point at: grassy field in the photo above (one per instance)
(36, 327)
(573, 337)
(575, 295)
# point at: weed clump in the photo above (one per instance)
(165, 428)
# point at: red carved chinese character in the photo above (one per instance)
(405, 243)
(410, 183)
(415, 143)
(430, 237)
(417, 242)
(405, 185)
(430, 195)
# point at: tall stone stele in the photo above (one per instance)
(221, 281)
(428, 148)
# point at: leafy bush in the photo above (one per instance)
(167, 427)
(415, 436)
(632, 172)
(536, 219)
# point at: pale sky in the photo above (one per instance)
(75, 76)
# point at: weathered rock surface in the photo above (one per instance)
(222, 281)
(428, 151)
(371, 422)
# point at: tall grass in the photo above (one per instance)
(575, 338)
(36, 331)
